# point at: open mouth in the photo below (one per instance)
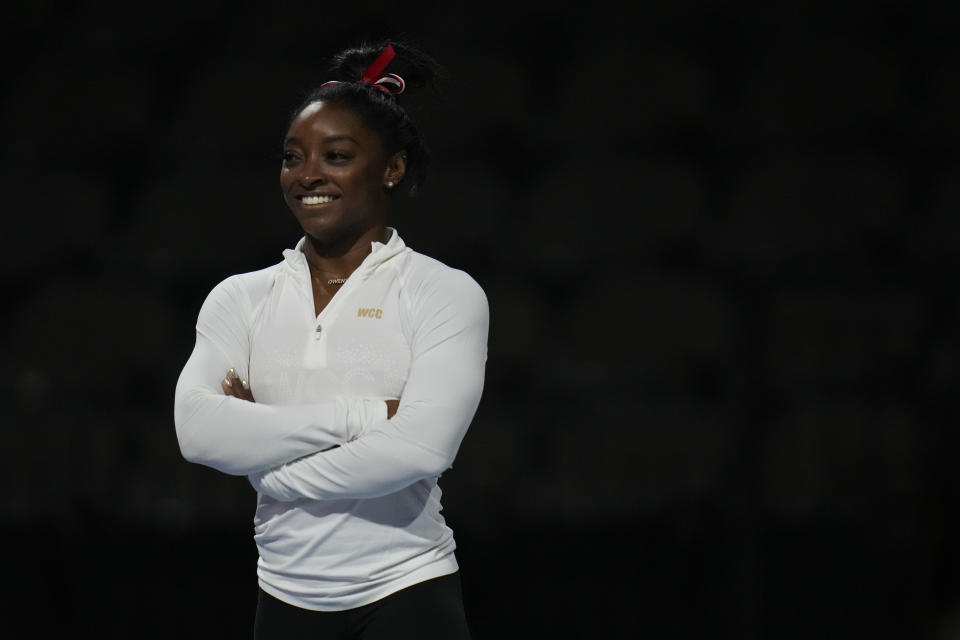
(312, 200)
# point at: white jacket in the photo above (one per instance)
(339, 528)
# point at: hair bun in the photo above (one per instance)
(417, 69)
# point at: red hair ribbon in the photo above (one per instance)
(389, 83)
(378, 65)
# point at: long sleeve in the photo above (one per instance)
(239, 437)
(450, 322)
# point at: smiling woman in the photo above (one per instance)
(354, 368)
(337, 176)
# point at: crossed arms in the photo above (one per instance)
(286, 450)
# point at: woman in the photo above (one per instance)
(354, 367)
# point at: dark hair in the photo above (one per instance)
(383, 112)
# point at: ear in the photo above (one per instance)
(396, 169)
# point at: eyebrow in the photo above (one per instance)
(328, 139)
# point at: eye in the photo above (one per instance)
(338, 157)
(289, 158)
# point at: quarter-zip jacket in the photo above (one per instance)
(339, 528)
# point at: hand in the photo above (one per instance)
(232, 385)
(392, 405)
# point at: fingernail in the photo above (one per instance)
(227, 380)
(231, 373)
(244, 384)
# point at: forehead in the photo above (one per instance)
(323, 119)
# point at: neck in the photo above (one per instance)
(330, 260)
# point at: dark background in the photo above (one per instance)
(718, 240)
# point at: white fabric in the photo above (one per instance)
(344, 527)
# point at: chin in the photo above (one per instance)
(318, 223)
(329, 234)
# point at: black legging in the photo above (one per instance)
(430, 610)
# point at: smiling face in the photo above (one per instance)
(335, 173)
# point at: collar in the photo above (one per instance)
(379, 253)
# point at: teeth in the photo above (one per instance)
(317, 199)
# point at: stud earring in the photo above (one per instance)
(390, 184)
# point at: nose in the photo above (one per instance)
(311, 174)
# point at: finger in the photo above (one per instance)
(233, 386)
(244, 389)
(392, 405)
(227, 383)
(239, 387)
